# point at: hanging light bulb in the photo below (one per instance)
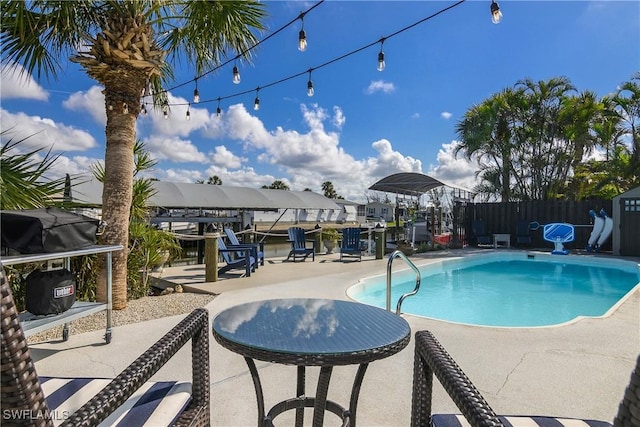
(143, 109)
(165, 110)
(496, 15)
(189, 112)
(302, 41)
(310, 91)
(110, 107)
(256, 102)
(381, 63)
(302, 36)
(236, 75)
(218, 110)
(125, 108)
(196, 94)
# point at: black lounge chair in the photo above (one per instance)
(39, 401)
(431, 359)
(523, 233)
(350, 245)
(233, 261)
(299, 247)
(480, 233)
(257, 248)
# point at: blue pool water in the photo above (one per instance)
(509, 289)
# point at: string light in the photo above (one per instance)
(381, 63)
(302, 36)
(143, 109)
(189, 112)
(236, 75)
(496, 15)
(165, 110)
(256, 102)
(196, 94)
(125, 108)
(310, 91)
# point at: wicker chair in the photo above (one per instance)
(24, 402)
(432, 359)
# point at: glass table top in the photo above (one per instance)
(310, 326)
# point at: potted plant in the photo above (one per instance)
(330, 238)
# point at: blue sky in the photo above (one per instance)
(361, 124)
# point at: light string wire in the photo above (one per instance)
(235, 58)
(327, 63)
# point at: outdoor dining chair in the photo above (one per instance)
(350, 245)
(257, 248)
(431, 359)
(128, 399)
(299, 248)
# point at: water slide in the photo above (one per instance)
(598, 225)
(606, 230)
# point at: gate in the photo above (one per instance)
(630, 226)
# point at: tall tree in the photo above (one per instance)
(276, 185)
(126, 46)
(627, 101)
(329, 191)
(214, 180)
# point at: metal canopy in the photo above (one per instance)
(409, 183)
(179, 195)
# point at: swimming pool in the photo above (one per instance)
(508, 289)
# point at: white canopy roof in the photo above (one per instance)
(179, 195)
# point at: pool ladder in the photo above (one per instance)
(394, 255)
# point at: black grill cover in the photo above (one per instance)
(33, 231)
(50, 292)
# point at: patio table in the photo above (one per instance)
(310, 332)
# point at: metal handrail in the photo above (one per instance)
(394, 255)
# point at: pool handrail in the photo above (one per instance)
(394, 255)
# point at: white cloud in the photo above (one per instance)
(454, 171)
(415, 116)
(380, 86)
(446, 115)
(43, 132)
(174, 149)
(223, 157)
(338, 117)
(16, 82)
(91, 101)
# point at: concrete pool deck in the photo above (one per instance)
(576, 370)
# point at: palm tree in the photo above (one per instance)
(127, 46)
(23, 180)
(276, 185)
(627, 100)
(485, 134)
(214, 180)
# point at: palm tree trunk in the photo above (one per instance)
(118, 184)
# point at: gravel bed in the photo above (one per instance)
(138, 310)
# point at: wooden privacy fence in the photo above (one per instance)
(503, 217)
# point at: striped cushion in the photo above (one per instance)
(153, 404)
(452, 420)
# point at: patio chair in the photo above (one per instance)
(523, 234)
(480, 232)
(432, 359)
(299, 247)
(257, 248)
(128, 399)
(234, 261)
(350, 245)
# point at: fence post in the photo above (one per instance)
(211, 257)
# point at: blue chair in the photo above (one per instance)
(247, 261)
(350, 245)
(299, 247)
(480, 233)
(257, 248)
